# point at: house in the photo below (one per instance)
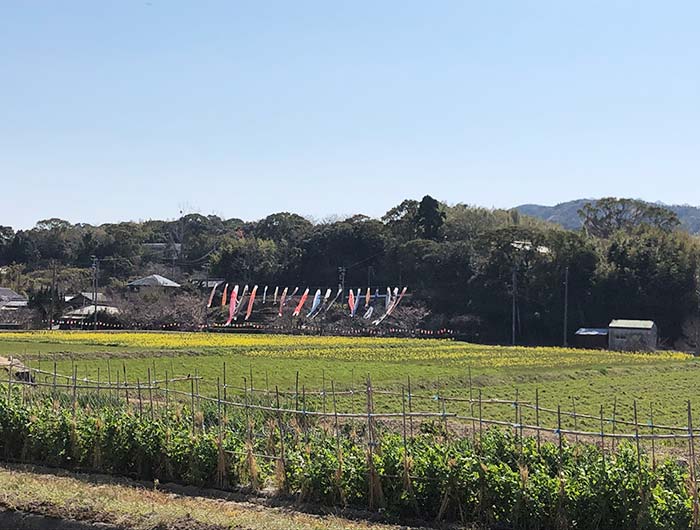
(154, 280)
(87, 312)
(632, 335)
(10, 303)
(11, 300)
(591, 338)
(86, 298)
(206, 283)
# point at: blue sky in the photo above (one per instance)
(119, 110)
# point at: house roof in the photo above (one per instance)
(631, 324)
(154, 280)
(208, 283)
(89, 310)
(101, 297)
(8, 295)
(592, 332)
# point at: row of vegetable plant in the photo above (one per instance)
(497, 480)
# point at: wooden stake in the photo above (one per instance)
(561, 446)
(225, 393)
(150, 393)
(693, 470)
(481, 421)
(614, 424)
(573, 410)
(138, 390)
(516, 406)
(167, 396)
(323, 389)
(296, 392)
(653, 442)
(218, 406)
(410, 406)
(636, 436)
(126, 385)
(471, 405)
(192, 402)
(602, 435)
(75, 387)
(283, 486)
(537, 418)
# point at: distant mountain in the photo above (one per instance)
(566, 214)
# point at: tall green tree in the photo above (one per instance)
(604, 217)
(430, 217)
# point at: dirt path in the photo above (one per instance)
(36, 498)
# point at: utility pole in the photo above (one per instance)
(95, 265)
(514, 285)
(206, 290)
(53, 291)
(341, 279)
(566, 306)
(369, 276)
(697, 319)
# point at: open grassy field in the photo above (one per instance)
(579, 379)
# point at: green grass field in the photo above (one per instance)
(573, 378)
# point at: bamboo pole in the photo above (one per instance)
(283, 486)
(296, 392)
(636, 436)
(410, 406)
(138, 390)
(481, 421)
(693, 469)
(653, 442)
(471, 404)
(225, 393)
(537, 417)
(150, 394)
(192, 403)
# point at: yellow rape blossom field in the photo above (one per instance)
(585, 379)
(343, 348)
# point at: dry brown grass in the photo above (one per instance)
(100, 499)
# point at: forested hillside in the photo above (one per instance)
(462, 264)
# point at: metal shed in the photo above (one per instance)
(632, 335)
(591, 338)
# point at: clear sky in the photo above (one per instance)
(121, 109)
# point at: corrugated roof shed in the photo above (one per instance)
(631, 324)
(592, 331)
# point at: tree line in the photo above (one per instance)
(469, 267)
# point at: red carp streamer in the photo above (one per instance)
(211, 296)
(351, 301)
(223, 296)
(232, 305)
(301, 303)
(282, 298)
(251, 302)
